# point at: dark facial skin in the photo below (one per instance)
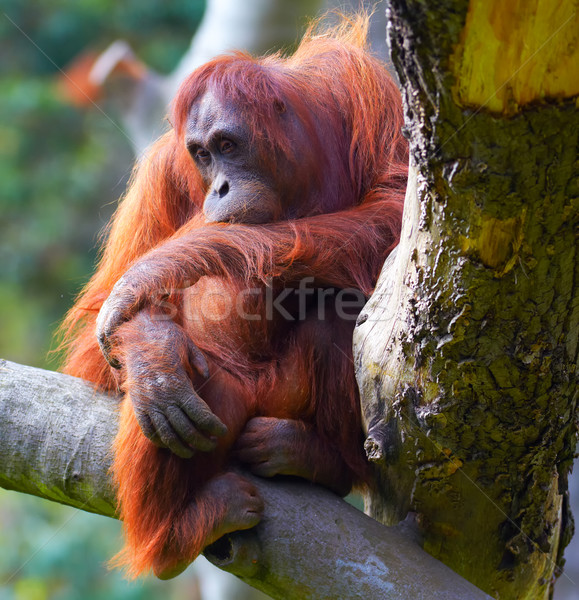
(241, 187)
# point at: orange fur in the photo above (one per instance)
(260, 367)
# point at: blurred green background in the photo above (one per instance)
(61, 172)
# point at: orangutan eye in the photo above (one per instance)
(202, 154)
(226, 147)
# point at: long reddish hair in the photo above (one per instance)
(348, 101)
(352, 109)
(352, 112)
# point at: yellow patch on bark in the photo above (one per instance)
(515, 52)
(498, 242)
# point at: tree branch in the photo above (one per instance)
(55, 437)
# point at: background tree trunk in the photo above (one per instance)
(467, 353)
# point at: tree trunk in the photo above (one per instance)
(467, 353)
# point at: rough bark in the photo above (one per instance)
(55, 437)
(467, 353)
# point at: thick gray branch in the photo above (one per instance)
(55, 436)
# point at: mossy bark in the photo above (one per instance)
(467, 354)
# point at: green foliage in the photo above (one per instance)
(56, 167)
(51, 552)
(159, 31)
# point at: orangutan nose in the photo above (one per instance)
(221, 186)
